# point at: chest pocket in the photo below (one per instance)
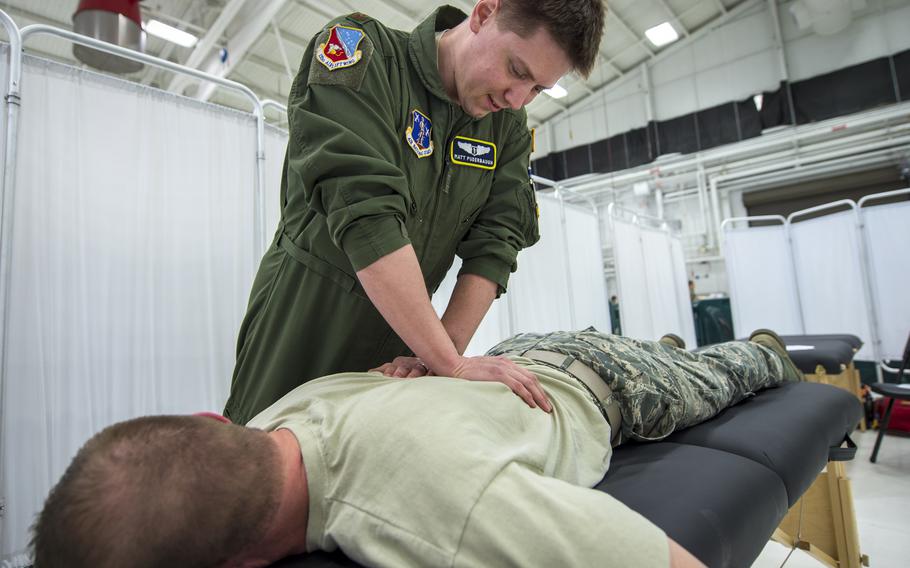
(469, 190)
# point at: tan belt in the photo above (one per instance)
(602, 393)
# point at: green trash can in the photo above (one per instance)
(713, 321)
(614, 318)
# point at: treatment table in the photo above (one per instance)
(722, 488)
(829, 360)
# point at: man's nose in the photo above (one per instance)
(518, 96)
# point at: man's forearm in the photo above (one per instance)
(470, 301)
(394, 284)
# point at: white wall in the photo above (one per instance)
(732, 61)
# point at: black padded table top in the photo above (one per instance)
(787, 429)
(831, 351)
(854, 341)
(721, 488)
(832, 354)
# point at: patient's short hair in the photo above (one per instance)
(160, 491)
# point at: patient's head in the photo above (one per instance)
(160, 491)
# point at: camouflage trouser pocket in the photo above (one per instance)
(649, 413)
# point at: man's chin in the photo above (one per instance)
(477, 111)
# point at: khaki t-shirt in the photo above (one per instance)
(399, 470)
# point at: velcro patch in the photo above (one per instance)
(340, 48)
(475, 153)
(341, 57)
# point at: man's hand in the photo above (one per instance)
(404, 367)
(523, 382)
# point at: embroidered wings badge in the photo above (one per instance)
(475, 153)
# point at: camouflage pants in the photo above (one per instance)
(660, 388)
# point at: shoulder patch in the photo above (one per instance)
(472, 152)
(341, 57)
(419, 135)
(340, 48)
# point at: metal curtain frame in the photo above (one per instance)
(868, 267)
(783, 221)
(9, 175)
(864, 263)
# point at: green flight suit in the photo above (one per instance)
(354, 190)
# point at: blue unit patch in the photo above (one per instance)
(475, 153)
(419, 134)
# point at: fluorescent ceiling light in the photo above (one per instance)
(556, 91)
(170, 33)
(662, 34)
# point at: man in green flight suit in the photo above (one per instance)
(405, 149)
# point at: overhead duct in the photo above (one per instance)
(825, 17)
(114, 21)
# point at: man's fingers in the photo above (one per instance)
(522, 391)
(533, 386)
(415, 372)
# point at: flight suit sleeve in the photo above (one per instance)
(344, 151)
(508, 221)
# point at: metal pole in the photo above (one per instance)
(7, 191)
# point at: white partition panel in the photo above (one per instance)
(589, 288)
(887, 231)
(653, 287)
(132, 257)
(548, 283)
(659, 267)
(826, 253)
(539, 300)
(632, 280)
(762, 284)
(276, 141)
(495, 325)
(685, 325)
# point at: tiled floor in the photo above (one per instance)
(881, 496)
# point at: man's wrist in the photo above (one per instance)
(449, 366)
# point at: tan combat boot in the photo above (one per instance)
(673, 340)
(769, 339)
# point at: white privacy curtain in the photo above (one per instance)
(276, 141)
(826, 253)
(132, 258)
(887, 233)
(559, 284)
(762, 283)
(653, 287)
(585, 259)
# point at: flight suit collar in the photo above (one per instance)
(422, 47)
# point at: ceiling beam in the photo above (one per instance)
(721, 20)
(639, 40)
(204, 46)
(257, 15)
(318, 8)
(674, 17)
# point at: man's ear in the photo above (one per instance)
(482, 13)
